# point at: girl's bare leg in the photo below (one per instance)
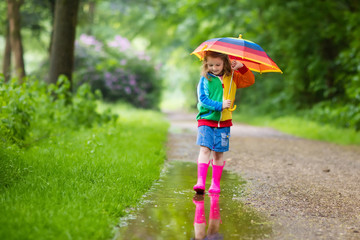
(204, 155)
(218, 158)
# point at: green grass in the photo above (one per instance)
(77, 185)
(304, 128)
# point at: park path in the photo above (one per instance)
(307, 189)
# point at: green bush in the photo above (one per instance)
(34, 110)
(118, 71)
(16, 109)
(346, 115)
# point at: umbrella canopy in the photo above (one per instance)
(247, 52)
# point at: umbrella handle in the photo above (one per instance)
(232, 109)
(232, 104)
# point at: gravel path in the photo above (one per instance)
(308, 189)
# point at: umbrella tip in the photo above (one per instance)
(240, 36)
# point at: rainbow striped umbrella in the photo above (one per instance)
(247, 52)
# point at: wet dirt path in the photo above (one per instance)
(168, 210)
(307, 189)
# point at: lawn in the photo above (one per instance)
(77, 184)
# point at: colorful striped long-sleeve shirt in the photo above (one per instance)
(212, 92)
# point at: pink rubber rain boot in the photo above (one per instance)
(216, 177)
(202, 172)
(199, 209)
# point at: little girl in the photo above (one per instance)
(214, 118)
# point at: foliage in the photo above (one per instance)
(76, 185)
(117, 70)
(300, 126)
(3, 17)
(314, 43)
(34, 110)
(320, 75)
(33, 14)
(342, 115)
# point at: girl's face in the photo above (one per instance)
(215, 65)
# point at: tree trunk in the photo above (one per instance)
(15, 37)
(62, 49)
(7, 56)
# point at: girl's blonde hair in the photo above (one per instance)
(222, 56)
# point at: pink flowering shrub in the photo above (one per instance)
(117, 70)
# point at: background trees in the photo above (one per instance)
(13, 39)
(314, 43)
(63, 39)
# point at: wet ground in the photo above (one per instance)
(295, 189)
(168, 210)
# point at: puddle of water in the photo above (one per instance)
(168, 210)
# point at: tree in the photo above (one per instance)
(15, 36)
(62, 49)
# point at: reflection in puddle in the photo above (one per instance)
(200, 219)
(172, 210)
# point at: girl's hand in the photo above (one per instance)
(226, 104)
(236, 65)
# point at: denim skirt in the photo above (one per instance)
(216, 139)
